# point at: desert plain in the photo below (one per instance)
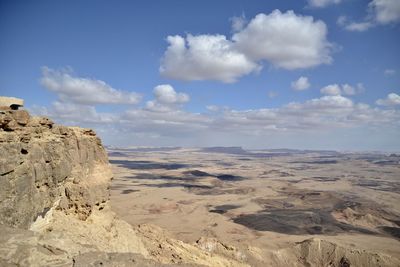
(272, 206)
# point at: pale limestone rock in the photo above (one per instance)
(115, 260)
(40, 164)
(317, 252)
(10, 102)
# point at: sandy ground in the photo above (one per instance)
(264, 200)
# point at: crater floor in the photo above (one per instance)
(262, 200)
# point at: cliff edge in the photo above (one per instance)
(54, 204)
(42, 163)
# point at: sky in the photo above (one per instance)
(312, 74)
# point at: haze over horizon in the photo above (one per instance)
(316, 74)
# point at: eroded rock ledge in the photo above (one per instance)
(42, 162)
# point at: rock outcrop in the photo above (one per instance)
(7, 103)
(317, 252)
(54, 204)
(42, 163)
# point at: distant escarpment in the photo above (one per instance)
(54, 204)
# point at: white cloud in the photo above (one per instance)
(272, 94)
(212, 108)
(348, 25)
(348, 89)
(164, 122)
(360, 88)
(174, 126)
(285, 40)
(385, 11)
(358, 26)
(392, 99)
(341, 20)
(238, 23)
(345, 89)
(322, 3)
(332, 89)
(166, 98)
(314, 115)
(204, 57)
(301, 84)
(170, 123)
(84, 90)
(166, 94)
(71, 114)
(318, 113)
(380, 12)
(389, 72)
(329, 102)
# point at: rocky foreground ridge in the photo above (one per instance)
(54, 211)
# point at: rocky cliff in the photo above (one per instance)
(54, 208)
(42, 163)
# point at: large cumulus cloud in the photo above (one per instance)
(284, 40)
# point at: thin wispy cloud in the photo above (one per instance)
(379, 12)
(322, 3)
(354, 26)
(389, 72)
(272, 94)
(238, 23)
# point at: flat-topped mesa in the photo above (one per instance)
(44, 166)
(10, 103)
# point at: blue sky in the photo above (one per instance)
(321, 74)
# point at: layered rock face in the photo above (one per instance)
(42, 162)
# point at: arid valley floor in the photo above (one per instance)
(265, 201)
